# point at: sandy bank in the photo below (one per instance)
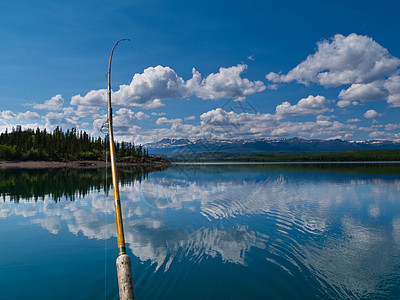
(72, 164)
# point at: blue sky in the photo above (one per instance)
(209, 69)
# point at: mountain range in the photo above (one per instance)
(170, 146)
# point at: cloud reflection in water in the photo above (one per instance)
(331, 225)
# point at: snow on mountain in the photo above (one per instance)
(171, 146)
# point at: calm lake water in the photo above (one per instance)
(329, 231)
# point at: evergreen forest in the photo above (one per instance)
(29, 144)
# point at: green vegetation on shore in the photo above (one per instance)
(72, 145)
(348, 156)
(342, 156)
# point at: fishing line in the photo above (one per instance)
(106, 212)
(106, 221)
(146, 52)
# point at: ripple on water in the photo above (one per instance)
(289, 243)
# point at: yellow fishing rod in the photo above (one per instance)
(124, 268)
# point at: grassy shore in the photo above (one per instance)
(389, 155)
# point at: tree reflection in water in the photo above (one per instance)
(63, 183)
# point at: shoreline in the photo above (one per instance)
(284, 162)
(5, 164)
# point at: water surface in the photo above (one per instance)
(293, 231)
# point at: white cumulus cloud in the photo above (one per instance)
(372, 114)
(355, 120)
(346, 103)
(124, 120)
(28, 116)
(219, 117)
(145, 90)
(312, 105)
(148, 89)
(95, 98)
(393, 87)
(54, 119)
(165, 121)
(55, 103)
(190, 118)
(155, 83)
(365, 92)
(8, 115)
(227, 83)
(342, 60)
(126, 117)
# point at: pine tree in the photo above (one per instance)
(29, 144)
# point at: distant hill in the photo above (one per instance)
(171, 147)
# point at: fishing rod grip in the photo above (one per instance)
(125, 282)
